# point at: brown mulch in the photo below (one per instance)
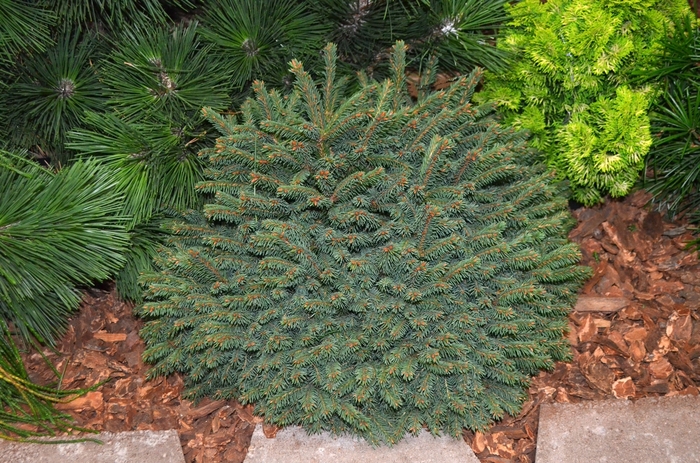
(635, 333)
(102, 344)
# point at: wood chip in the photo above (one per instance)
(637, 351)
(245, 412)
(588, 330)
(636, 334)
(92, 401)
(680, 327)
(110, 337)
(599, 376)
(587, 303)
(661, 368)
(624, 388)
(479, 442)
(270, 430)
(206, 409)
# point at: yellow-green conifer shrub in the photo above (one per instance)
(571, 85)
(368, 265)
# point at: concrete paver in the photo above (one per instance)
(124, 447)
(292, 444)
(651, 430)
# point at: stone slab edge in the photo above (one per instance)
(124, 447)
(292, 444)
(654, 429)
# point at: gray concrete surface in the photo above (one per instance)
(124, 447)
(652, 430)
(293, 445)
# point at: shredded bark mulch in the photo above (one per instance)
(102, 344)
(635, 333)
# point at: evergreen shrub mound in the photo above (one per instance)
(370, 265)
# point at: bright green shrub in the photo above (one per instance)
(570, 85)
(366, 265)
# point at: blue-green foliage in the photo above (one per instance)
(368, 264)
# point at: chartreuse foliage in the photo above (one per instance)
(368, 264)
(570, 85)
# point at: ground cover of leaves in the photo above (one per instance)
(635, 333)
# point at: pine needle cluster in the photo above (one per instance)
(50, 96)
(369, 265)
(259, 37)
(77, 238)
(673, 164)
(156, 80)
(58, 232)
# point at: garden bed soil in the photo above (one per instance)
(635, 333)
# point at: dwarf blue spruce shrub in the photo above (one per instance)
(369, 265)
